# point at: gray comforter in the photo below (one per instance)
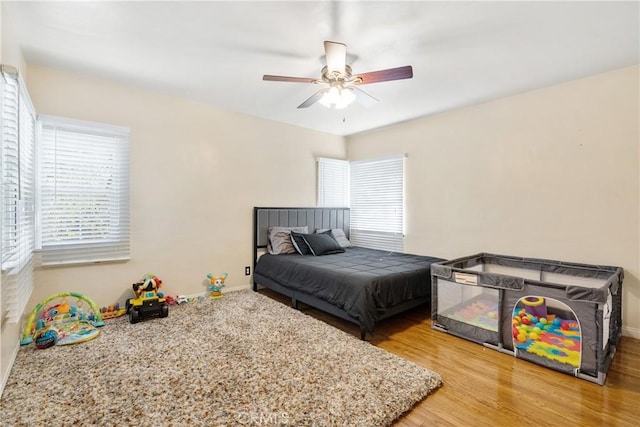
(362, 282)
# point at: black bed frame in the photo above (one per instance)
(313, 218)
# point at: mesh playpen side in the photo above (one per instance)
(565, 316)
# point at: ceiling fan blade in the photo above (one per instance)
(336, 55)
(288, 79)
(313, 99)
(399, 73)
(363, 97)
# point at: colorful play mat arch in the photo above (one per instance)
(62, 323)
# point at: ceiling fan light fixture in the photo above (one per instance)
(337, 97)
(336, 74)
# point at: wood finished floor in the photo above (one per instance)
(483, 387)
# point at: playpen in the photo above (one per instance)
(565, 316)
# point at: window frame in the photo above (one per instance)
(114, 246)
(18, 132)
(371, 216)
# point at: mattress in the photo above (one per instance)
(362, 282)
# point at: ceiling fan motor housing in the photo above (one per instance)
(336, 76)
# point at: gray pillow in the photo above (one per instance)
(322, 244)
(280, 239)
(338, 234)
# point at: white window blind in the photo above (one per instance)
(17, 179)
(333, 183)
(84, 192)
(377, 203)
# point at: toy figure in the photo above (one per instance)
(148, 283)
(215, 285)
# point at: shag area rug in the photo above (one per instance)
(244, 359)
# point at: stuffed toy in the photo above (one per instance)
(148, 283)
(215, 285)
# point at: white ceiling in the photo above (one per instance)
(462, 53)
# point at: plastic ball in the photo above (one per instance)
(533, 335)
(526, 321)
(522, 312)
(534, 319)
(543, 320)
(556, 322)
(515, 332)
(540, 325)
(537, 330)
(548, 327)
(565, 326)
(530, 316)
(522, 337)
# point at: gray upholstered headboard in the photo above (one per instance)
(314, 218)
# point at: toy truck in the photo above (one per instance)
(147, 302)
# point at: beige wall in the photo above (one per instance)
(196, 173)
(552, 173)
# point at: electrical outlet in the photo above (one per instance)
(247, 270)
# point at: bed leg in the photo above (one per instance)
(363, 333)
(294, 303)
(255, 287)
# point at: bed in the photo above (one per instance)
(359, 285)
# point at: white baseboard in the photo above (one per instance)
(631, 332)
(225, 290)
(236, 288)
(5, 377)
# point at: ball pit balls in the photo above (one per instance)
(534, 319)
(533, 336)
(515, 332)
(543, 320)
(526, 321)
(537, 330)
(540, 325)
(522, 337)
(565, 326)
(556, 322)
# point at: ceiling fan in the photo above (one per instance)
(342, 85)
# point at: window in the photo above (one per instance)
(333, 183)
(17, 160)
(375, 193)
(377, 203)
(84, 192)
